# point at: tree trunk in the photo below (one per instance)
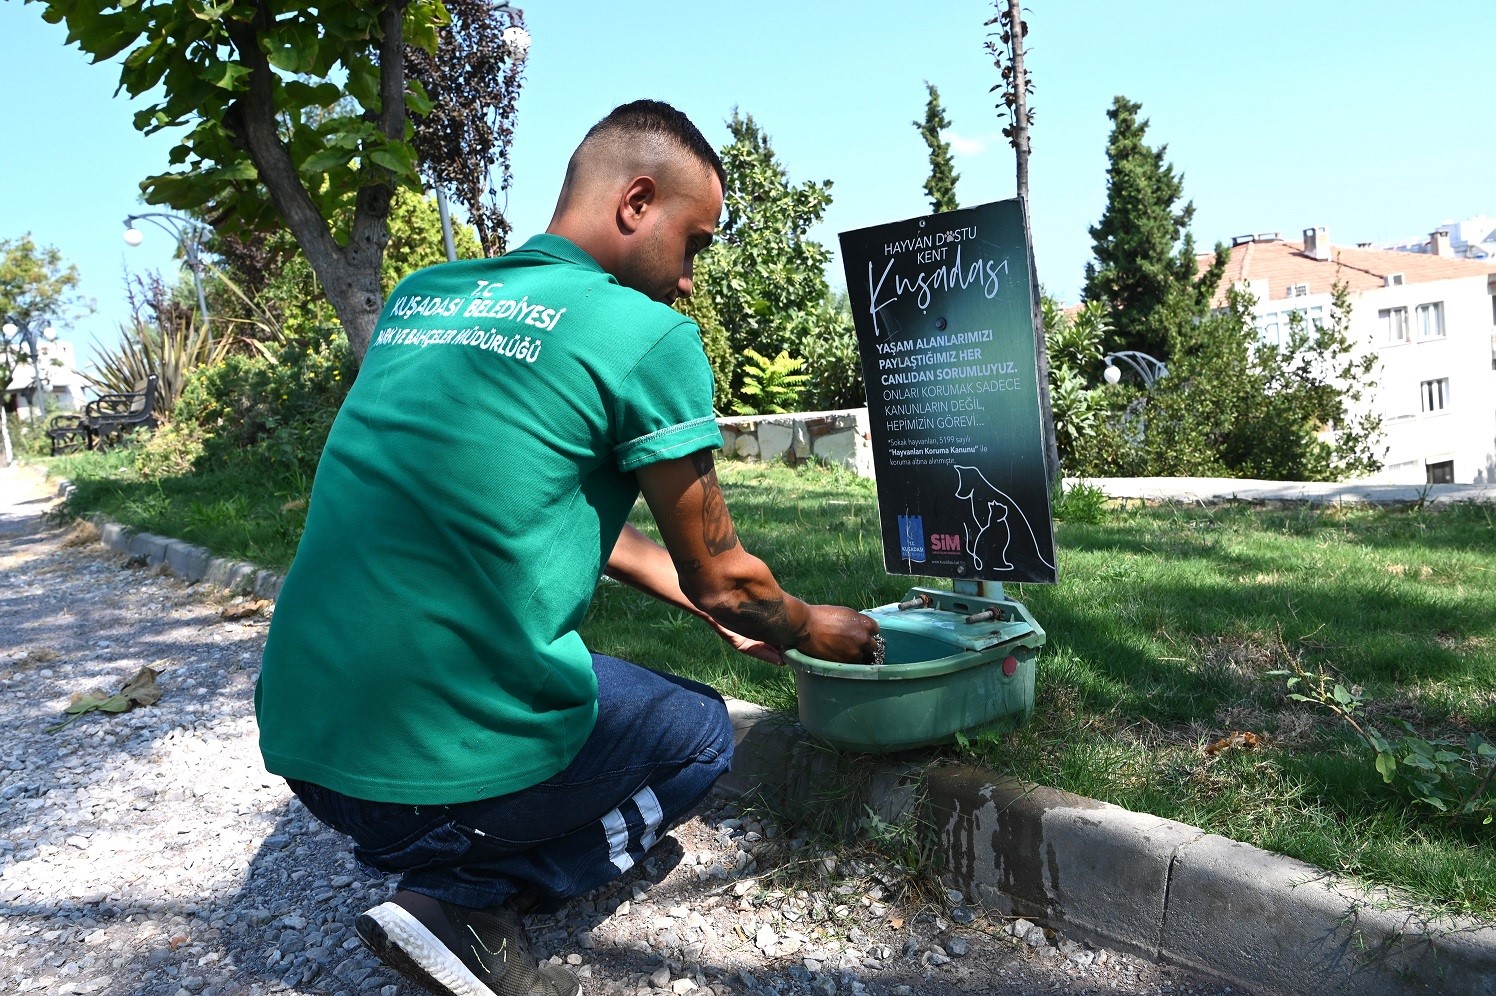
(349, 274)
(1021, 149)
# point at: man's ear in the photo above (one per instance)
(637, 199)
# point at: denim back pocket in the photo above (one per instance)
(442, 844)
(387, 836)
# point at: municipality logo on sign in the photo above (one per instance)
(912, 538)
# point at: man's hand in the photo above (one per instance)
(746, 645)
(839, 634)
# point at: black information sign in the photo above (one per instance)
(944, 322)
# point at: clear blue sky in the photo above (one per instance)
(1364, 118)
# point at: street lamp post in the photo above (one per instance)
(189, 233)
(1146, 367)
(24, 331)
(1150, 370)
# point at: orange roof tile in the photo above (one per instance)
(1283, 264)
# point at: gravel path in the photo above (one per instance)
(148, 853)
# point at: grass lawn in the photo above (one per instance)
(252, 513)
(1160, 631)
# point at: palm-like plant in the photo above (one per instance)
(163, 338)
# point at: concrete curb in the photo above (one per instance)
(186, 560)
(1160, 889)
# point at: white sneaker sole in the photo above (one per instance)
(403, 943)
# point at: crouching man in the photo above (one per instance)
(425, 689)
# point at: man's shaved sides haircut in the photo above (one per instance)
(646, 122)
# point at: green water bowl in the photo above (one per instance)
(933, 685)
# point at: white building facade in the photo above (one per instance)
(60, 378)
(1431, 320)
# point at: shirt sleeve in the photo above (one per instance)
(664, 406)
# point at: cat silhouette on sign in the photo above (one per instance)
(999, 538)
(990, 532)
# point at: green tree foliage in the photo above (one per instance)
(941, 185)
(831, 359)
(272, 290)
(762, 284)
(1232, 405)
(1145, 270)
(37, 286)
(36, 283)
(293, 114)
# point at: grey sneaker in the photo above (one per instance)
(455, 951)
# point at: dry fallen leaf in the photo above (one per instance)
(896, 922)
(245, 610)
(1234, 741)
(141, 689)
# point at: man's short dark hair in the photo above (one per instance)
(655, 117)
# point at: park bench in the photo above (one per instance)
(105, 420)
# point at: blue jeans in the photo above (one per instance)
(659, 743)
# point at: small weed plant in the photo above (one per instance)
(1081, 503)
(1451, 774)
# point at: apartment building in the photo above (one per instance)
(1430, 317)
(1472, 238)
(60, 377)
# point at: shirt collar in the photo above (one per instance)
(560, 248)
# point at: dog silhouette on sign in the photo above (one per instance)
(989, 534)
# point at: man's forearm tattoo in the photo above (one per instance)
(716, 523)
(770, 621)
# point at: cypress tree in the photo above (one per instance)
(941, 186)
(1145, 270)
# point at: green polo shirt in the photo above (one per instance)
(424, 647)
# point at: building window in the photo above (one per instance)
(1268, 330)
(1435, 394)
(1440, 473)
(1297, 290)
(1431, 320)
(1394, 325)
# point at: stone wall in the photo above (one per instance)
(841, 438)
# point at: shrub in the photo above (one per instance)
(170, 451)
(281, 404)
(831, 358)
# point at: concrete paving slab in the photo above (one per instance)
(1216, 490)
